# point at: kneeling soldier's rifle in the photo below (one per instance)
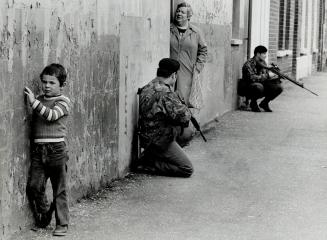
(275, 69)
(197, 127)
(193, 119)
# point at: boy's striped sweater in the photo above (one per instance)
(50, 118)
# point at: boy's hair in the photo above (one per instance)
(260, 49)
(189, 9)
(56, 70)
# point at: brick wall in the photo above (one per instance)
(273, 30)
(286, 35)
(285, 22)
(296, 34)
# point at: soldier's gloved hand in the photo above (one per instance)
(185, 125)
(273, 76)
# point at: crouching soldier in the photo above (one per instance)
(257, 82)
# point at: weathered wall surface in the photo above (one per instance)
(217, 75)
(143, 41)
(83, 35)
(214, 18)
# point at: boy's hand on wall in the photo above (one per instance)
(30, 95)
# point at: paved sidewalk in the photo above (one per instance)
(261, 176)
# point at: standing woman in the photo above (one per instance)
(188, 47)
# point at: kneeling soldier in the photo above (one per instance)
(162, 117)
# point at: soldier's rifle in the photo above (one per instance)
(197, 127)
(275, 69)
(193, 119)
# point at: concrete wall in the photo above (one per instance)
(85, 36)
(260, 24)
(143, 42)
(240, 43)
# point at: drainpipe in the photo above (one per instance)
(249, 29)
(171, 10)
(321, 35)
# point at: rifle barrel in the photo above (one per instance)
(274, 70)
(204, 138)
(197, 127)
(193, 120)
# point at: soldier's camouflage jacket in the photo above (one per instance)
(252, 72)
(161, 114)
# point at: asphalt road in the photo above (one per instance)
(261, 176)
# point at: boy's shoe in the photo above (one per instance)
(35, 228)
(61, 230)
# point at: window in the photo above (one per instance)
(309, 27)
(286, 17)
(315, 20)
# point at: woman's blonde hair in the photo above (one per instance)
(189, 9)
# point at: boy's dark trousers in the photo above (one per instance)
(48, 160)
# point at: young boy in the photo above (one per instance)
(49, 151)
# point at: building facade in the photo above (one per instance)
(294, 32)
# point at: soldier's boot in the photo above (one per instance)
(254, 106)
(265, 105)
